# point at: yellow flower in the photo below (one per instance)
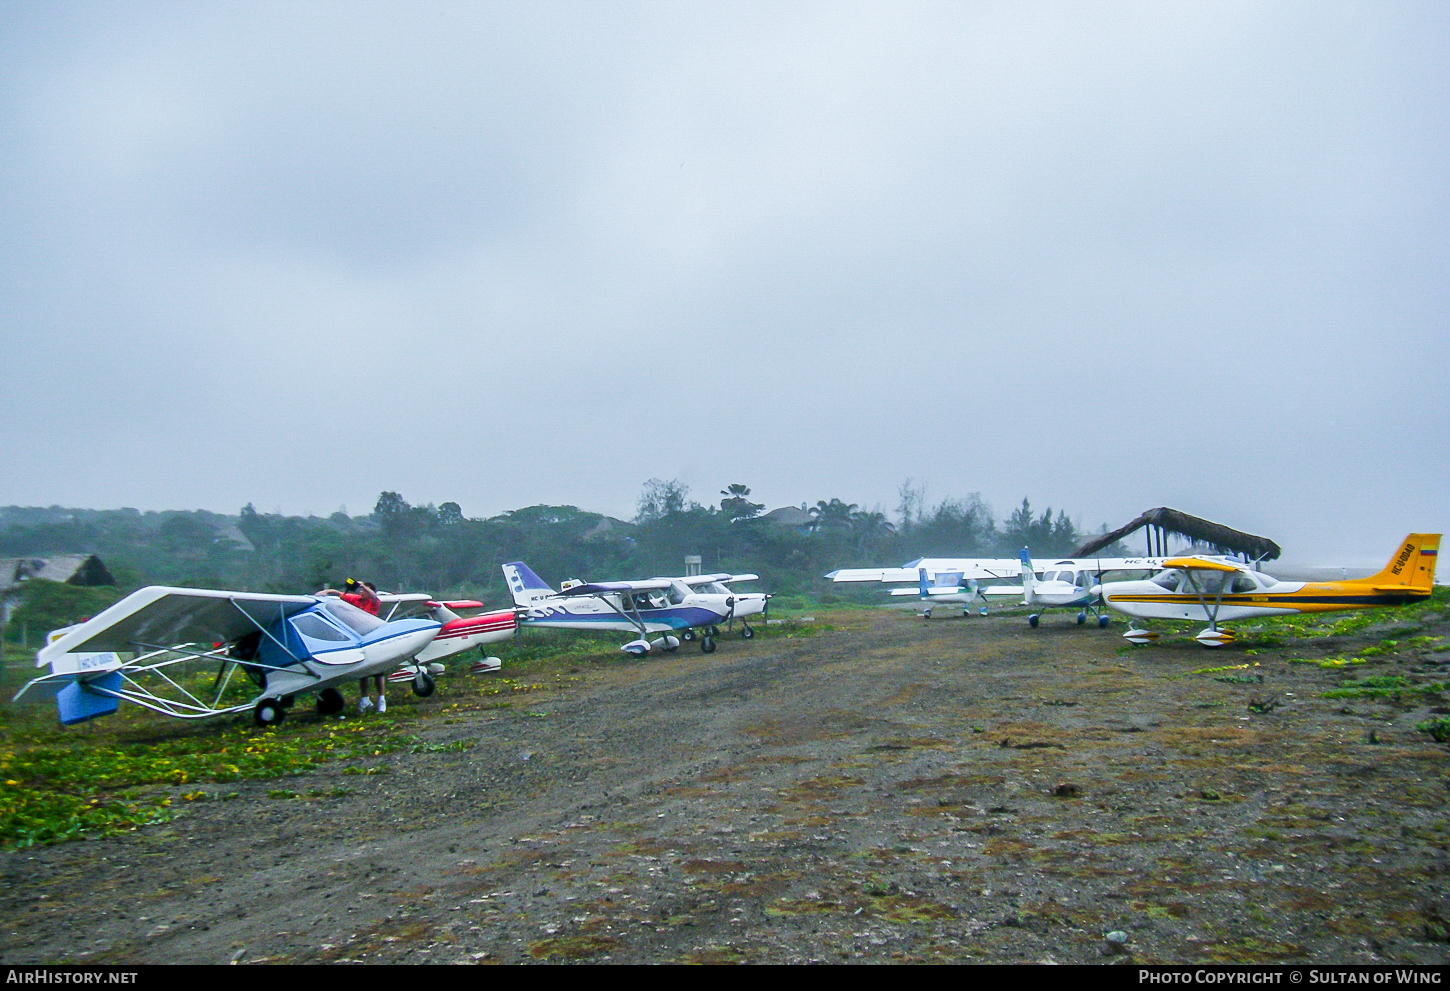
(12, 782)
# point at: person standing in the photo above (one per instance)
(364, 595)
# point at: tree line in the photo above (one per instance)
(440, 550)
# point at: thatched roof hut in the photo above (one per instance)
(1170, 521)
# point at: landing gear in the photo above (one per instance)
(966, 611)
(269, 712)
(1081, 618)
(329, 701)
(423, 684)
(747, 631)
(1032, 620)
(688, 636)
(707, 644)
(926, 613)
(1102, 622)
(983, 610)
(712, 631)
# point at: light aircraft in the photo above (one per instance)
(286, 644)
(458, 634)
(1065, 582)
(747, 604)
(654, 605)
(1219, 588)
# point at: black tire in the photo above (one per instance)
(329, 701)
(748, 633)
(669, 649)
(269, 712)
(1102, 622)
(1032, 621)
(707, 645)
(1081, 618)
(423, 684)
(688, 636)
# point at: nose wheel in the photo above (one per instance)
(688, 636)
(1032, 620)
(747, 631)
(707, 644)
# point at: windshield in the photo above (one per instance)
(1168, 579)
(353, 617)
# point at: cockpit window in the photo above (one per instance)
(314, 627)
(1168, 579)
(353, 617)
(1244, 583)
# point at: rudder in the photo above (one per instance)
(524, 585)
(1413, 564)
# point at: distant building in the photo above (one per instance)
(608, 528)
(791, 517)
(72, 569)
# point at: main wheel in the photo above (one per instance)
(423, 684)
(688, 636)
(1032, 620)
(707, 645)
(269, 712)
(1081, 618)
(1102, 622)
(983, 610)
(926, 614)
(748, 633)
(329, 700)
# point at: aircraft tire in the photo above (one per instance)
(669, 649)
(748, 633)
(1032, 620)
(984, 610)
(926, 614)
(1081, 618)
(329, 701)
(688, 636)
(423, 684)
(1102, 622)
(707, 644)
(269, 712)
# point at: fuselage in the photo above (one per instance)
(1244, 595)
(660, 610)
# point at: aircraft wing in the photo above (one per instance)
(600, 588)
(161, 616)
(404, 597)
(1202, 564)
(1003, 590)
(967, 569)
(694, 580)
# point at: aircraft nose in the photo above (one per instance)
(1096, 590)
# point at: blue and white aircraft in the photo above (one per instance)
(1065, 582)
(286, 644)
(747, 604)
(654, 605)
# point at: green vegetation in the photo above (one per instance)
(440, 550)
(1438, 728)
(1382, 686)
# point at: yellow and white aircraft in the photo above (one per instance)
(1218, 588)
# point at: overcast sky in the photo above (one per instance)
(1108, 256)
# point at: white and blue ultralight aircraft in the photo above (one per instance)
(286, 645)
(653, 605)
(1065, 582)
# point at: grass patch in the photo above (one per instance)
(1382, 686)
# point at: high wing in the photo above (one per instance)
(159, 616)
(601, 588)
(985, 568)
(694, 580)
(1204, 564)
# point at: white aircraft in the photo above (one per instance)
(746, 603)
(1065, 582)
(654, 605)
(1215, 588)
(286, 644)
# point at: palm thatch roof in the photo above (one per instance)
(1203, 531)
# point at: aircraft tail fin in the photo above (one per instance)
(1029, 579)
(524, 585)
(921, 577)
(1413, 563)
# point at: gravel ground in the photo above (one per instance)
(892, 789)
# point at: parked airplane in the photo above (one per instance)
(286, 644)
(1219, 588)
(459, 634)
(654, 605)
(747, 604)
(1065, 582)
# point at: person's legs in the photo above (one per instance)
(363, 702)
(382, 692)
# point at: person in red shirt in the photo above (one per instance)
(364, 595)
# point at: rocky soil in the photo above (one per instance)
(892, 789)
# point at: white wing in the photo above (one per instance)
(158, 616)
